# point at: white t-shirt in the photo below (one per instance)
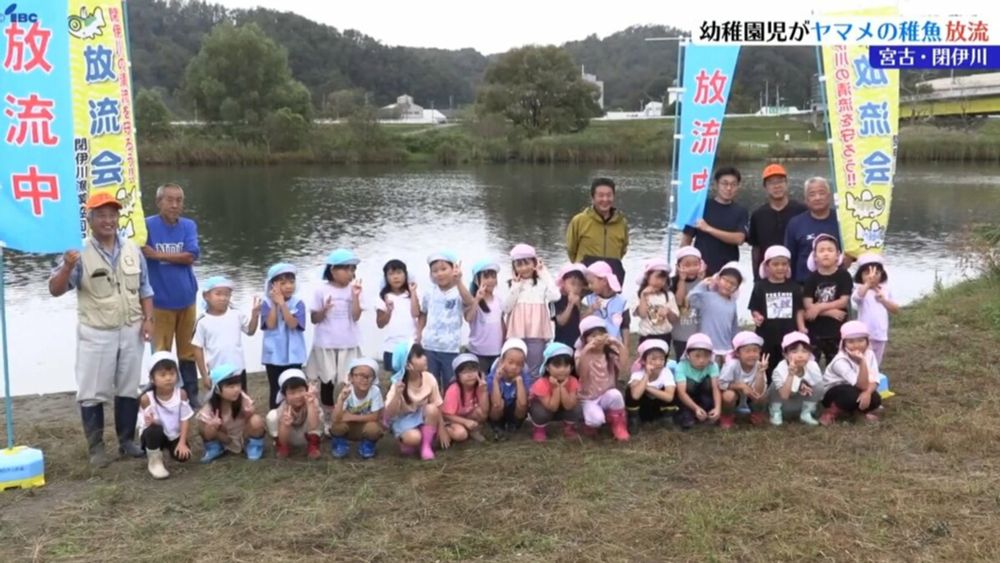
(402, 326)
(220, 336)
(732, 374)
(813, 375)
(659, 305)
(664, 380)
(842, 370)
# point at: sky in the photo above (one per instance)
(498, 25)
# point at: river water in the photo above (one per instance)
(251, 217)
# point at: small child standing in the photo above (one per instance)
(397, 309)
(357, 412)
(572, 283)
(508, 382)
(851, 379)
(218, 331)
(776, 303)
(283, 320)
(466, 404)
(651, 388)
(798, 375)
(606, 303)
(335, 311)
(485, 316)
(527, 304)
(697, 378)
(655, 305)
(874, 300)
(164, 421)
(413, 404)
(825, 295)
(442, 308)
(228, 417)
(296, 421)
(555, 395)
(599, 360)
(743, 376)
(715, 300)
(690, 270)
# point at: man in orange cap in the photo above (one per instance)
(115, 312)
(768, 222)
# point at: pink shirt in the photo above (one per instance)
(542, 388)
(597, 374)
(457, 405)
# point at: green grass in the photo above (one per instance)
(920, 486)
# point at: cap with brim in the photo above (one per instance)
(399, 356)
(772, 252)
(554, 350)
(854, 329)
(514, 344)
(342, 257)
(523, 252)
(484, 266)
(811, 260)
(100, 199)
(365, 362)
(221, 373)
(773, 170)
(161, 357)
(870, 258)
(602, 269)
(285, 377)
(685, 251)
(653, 344)
(443, 255)
(698, 341)
(565, 271)
(463, 359)
(793, 338)
(216, 282)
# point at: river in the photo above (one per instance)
(251, 217)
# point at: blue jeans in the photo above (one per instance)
(439, 363)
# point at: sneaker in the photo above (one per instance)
(366, 449)
(726, 421)
(776, 416)
(281, 451)
(255, 448)
(340, 447)
(757, 418)
(213, 451)
(539, 434)
(569, 431)
(312, 447)
(499, 435)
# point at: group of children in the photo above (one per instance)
(552, 349)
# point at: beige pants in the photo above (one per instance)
(108, 363)
(355, 431)
(296, 436)
(169, 324)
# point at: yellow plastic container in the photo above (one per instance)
(21, 468)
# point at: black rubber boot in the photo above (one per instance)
(93, 430)
(633, 423)
(189, 377)
(126, 415)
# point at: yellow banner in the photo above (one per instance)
(863, 111)
(103, 127)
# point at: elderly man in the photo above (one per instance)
(171, 249)
(723, 226)
(820, 218)
(600, 231)
(769, 221)
(115, 312)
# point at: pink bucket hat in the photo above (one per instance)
(685, 251)
(654, 265)
(646, 346)
(793, 338)
(601, 269)
(811, 261)
(566, 269)
(776, 251)
(698, 341)
(853, 329)
(523, 252)
(591, 322)
(870, 258)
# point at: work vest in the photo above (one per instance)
(108, 297)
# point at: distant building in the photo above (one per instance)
(653, 109)
(406, 111)
(592, 79)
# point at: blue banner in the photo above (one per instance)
(38, 197)
(938, 56)
(707, 78)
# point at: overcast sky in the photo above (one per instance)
(495, 26)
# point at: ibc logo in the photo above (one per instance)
(13, 17)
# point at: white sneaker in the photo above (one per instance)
(775, 410)
(154, 462)
(808, 414)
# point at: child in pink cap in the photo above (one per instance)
(527, 304)
(852, 377)
(743, 376)
(874, 300)
(572, 284)
(697, 378)
(606, 302)
(825, 295)
(690, 269)
(650, 395)
(776, 303)
(600, 357)
(796, 377)
(655, 305)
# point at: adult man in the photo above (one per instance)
(600, 231)
(769, 221)
(115, 312)
(723, 226)
(171, 249)
(803, 228)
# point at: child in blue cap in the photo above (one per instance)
(283, 320)
(413, 404)
(485, 316)
(442, 309)
(219, 330)
(555, 395)
(228, 417)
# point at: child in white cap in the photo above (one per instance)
(219, 330)
(826, 296)
(296, 420)
(797, 376)
(466, 401)
(357, 412)
(165, 416)
(744, 377)
(508, 383)
(532, 289)
(689, 271)
(655, 305)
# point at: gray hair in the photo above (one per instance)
(816, 180)
(165, 187)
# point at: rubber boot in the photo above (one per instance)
(405, 450)
(427, 434)
(616, 420)
(633, 423)
(366, 449)
(726, 421)
(312, 446)
(93, 430)
(757, 418)
(339, 447)
(154, 463)
(829, 415)
(569, 431)
(126, 415)
(189, 378)
(808, 414)
(213, 451)
(255, 448)
(539, 434)
(685, 419)
(775, 410)
(499, 432)
(281, 451)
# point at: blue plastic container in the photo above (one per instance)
(21, 468)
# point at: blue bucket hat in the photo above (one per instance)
(342, 257)
(215, 282)
(483, 266)
(399, 356)
(221, 373)
(552, 350)
(446, 255)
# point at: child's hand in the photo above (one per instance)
(481, 293)
(413, 289)
(328, 303)
(182, 452)
(879, 295)
(389, 305)
(540, 266)
(573, 299)
(812, 312)
(356, 288)
(276, 295)
(445, 439)
(714, 414)
(471, 425)
(857, 357)
(805, 390)
(345, 393)
(758, 319)
(864, 399)
(256, 305)
(700, 414)
(763, 363)
(148, 417)
(457, 272)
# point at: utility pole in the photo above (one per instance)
(767, 93)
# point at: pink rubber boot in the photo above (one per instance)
(427, 434)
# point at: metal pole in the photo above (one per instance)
(826, 122)
(8, 401)
(672, 201)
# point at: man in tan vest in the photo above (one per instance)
(115, 312)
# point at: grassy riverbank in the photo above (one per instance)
(920, 486)
(603, 142)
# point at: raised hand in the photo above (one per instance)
(356, 288)
(256, 305)
(70, 258)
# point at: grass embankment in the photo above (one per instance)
(920, 486)
(603, 142)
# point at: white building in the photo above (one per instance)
(592, 79)
(406, 111)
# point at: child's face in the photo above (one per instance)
(826, 253)
(749, 354)
(343, 275)
(657, 280)
(442, 273)
(560, 367)
(286, 284)
(362, 378)
(468, 377)
(165, 378)
(778, 268)
(417, 363)
(598, 285)
(653, 362)
(688, 267)
(511, 364)
(231, 391)
(699, 359)
(798, 355)
(572, 285)
(488, 280)
(728, 286)
(296, 396)
(396, 279)
(856, 345)
(218, 299)
(524, 267)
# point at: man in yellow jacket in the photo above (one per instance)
(600, 231)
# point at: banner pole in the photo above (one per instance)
(7, 399)
(821, 77)
(672, 188)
